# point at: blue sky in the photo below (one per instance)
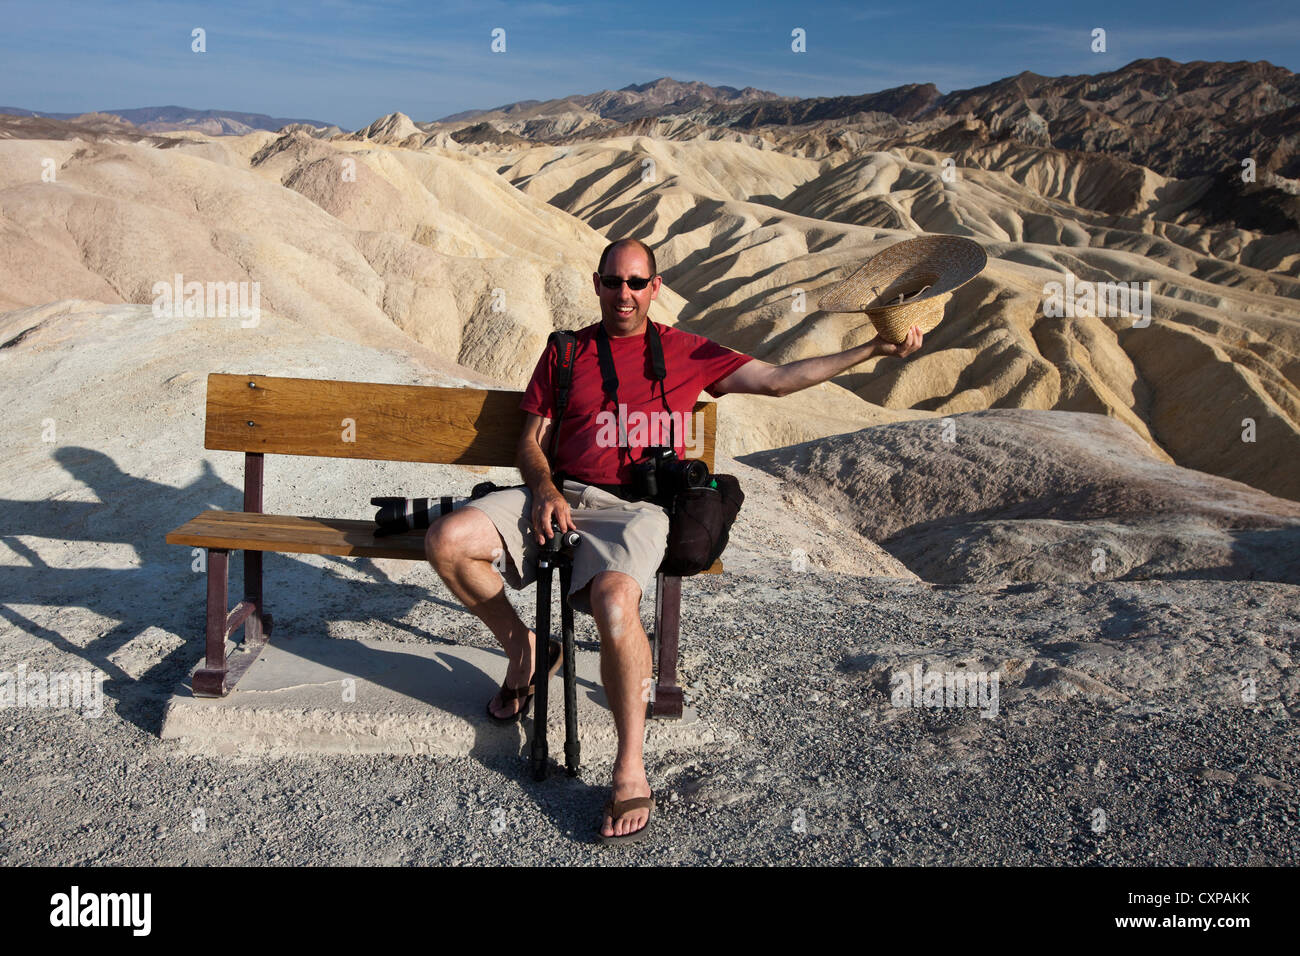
(351, 61)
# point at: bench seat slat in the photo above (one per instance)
(287, 533)
(248, 531)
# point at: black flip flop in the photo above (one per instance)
(554, 657)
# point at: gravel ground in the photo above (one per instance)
(1120, 738)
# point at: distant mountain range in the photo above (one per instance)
(1177, 118)
(166, 119)
(661, 97)
(1180, 120)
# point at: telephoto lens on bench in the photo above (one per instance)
(397, 515)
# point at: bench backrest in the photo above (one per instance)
(300, 416)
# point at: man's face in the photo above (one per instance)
(623, 309)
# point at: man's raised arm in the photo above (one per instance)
(759, 378)
(530, 458)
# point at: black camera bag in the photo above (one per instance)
(700, 525)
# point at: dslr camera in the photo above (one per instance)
(660, 475)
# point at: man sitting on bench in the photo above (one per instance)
(623, 541)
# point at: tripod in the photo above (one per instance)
(556, 553)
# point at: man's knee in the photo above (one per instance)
(465, 533)
(615, 603)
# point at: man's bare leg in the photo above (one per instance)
(461, 547)
(625, 672)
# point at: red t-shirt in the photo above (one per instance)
(590, 444)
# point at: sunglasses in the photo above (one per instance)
(636, 283)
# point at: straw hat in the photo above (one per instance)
(908, 284)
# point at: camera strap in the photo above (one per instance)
(658, 372)
(566, 347)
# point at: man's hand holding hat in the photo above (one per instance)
(899, 349)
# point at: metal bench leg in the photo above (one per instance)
(257, 628)
(667, 703)
(210, 680)
(219, 674)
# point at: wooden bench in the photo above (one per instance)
(258, 415)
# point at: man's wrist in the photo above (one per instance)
(541, 485)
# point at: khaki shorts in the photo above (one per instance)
(617, 535)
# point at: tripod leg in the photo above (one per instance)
(572, 750)
(543, 632)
